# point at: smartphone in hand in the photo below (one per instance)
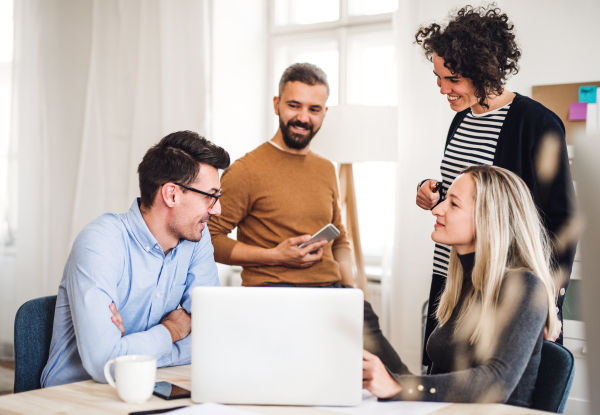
(328, 233)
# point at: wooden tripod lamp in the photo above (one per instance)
(353, 134)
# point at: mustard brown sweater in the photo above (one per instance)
(272, 195)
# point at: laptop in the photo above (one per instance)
(277, 345)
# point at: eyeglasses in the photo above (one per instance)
(215, 197)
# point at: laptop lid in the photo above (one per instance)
(277, 345)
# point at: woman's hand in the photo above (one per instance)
(554, 335)
(376, 378)
(426, 197)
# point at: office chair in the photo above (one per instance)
(33, 333)
(555, 376)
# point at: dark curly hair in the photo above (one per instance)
(479, 44)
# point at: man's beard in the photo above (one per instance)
(293, 140)
(181, 231)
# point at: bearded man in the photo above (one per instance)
(281, 193)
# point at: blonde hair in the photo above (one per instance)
(509, 236)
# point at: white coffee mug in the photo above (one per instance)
(135, 376)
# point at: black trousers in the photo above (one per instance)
(373, 339)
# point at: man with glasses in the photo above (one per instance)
(281, 193)
(128, 273)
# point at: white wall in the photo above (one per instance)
(559, 41)
(557, 38)
(239, 67)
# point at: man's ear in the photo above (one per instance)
(276, 105)
(168, 194)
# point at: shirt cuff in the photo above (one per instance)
(414, 388)
(164, 343)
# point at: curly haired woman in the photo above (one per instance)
(473, 55)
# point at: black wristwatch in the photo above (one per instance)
(437, 187)
(421, 184)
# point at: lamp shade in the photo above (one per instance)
(356, 133)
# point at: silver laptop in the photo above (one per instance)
(277, 346)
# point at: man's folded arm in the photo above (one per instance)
(180, 354)
(202, 272)
(93, 274)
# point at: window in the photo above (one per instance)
(289, 12)
(352, 41)
(322, 50)
(370, 7)
(370, 70)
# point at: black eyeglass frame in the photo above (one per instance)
(216, 197)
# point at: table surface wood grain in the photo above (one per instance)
(92, 398)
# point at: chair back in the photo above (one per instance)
(554, 379)
(33, 333)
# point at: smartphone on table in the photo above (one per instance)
(328, 233)
(168, 391)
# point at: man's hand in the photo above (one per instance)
(426, 197)
(554, 335)
(117, 319)
(376, 378)
(288, 254)
(179, 324)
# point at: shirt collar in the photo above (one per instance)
(140, 229)
(276, 145)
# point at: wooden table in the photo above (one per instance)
(92, 398)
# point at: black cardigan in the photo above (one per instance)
(526, 124)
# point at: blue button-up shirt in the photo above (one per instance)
(117, 259)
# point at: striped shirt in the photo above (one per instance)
(473, 143)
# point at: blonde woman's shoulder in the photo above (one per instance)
(523, 285)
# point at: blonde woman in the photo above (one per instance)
(499, 298)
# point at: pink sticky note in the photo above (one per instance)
(577, 111)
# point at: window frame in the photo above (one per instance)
(343, 27)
